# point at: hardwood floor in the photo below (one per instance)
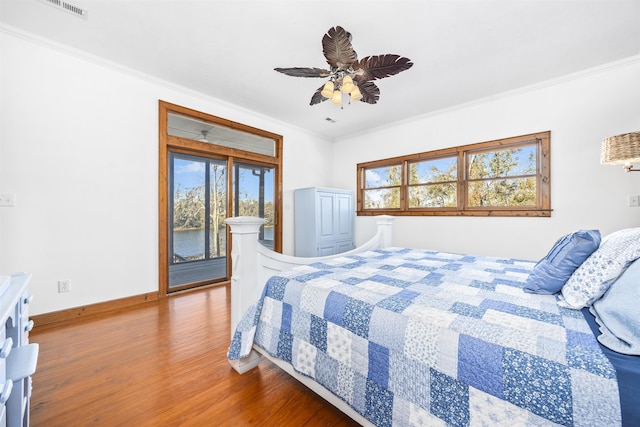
(163, 363)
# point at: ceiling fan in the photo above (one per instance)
(349, 75)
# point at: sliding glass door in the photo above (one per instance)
(198, 207)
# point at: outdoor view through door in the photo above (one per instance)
(253, 196)
(198, 238)
(212, 169)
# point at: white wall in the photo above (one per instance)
(79, 149)
(579, 111)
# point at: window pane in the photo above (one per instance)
(438, 170)
(503, 192)
(383, 177)
(381, 199)
(502, 163)
(254, 195)
(188, 205)
(433, 196)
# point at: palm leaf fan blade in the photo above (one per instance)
(304, 72)
(370, 92)
(381, 66)
(337, 48)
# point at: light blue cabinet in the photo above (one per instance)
(323, 221)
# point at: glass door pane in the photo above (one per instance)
(197, 209)
(254, 195)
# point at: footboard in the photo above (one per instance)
(252, 264)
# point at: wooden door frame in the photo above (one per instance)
(169, 143)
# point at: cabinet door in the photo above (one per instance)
(326, 249)
(326, 216)
(344, 216)
(344, 246)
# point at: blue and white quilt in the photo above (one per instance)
(421, 338)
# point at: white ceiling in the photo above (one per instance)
(462, 50)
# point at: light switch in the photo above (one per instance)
(634, 201)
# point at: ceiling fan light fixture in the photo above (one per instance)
(327, 90)
(356, 95)
(336, 98)
(347, 84)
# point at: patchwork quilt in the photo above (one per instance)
(421, 338)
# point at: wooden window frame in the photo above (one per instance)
(542, 175)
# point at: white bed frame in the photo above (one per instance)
(252, 264)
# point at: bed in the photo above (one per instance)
(402, 336)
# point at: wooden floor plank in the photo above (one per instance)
(163, 363)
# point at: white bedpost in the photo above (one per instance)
(244, 265)
(385, 225)
(244, 277)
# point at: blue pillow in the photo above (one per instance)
(618, 315)
(566, 255)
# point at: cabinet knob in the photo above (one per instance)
(28, 299)
(28, 326)
(6, 348)
(6, 392)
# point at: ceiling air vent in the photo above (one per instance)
(68, 7)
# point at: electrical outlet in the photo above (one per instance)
(64, 286)
(633, 201)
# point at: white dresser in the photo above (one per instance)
(323, 221)
(18, 358)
